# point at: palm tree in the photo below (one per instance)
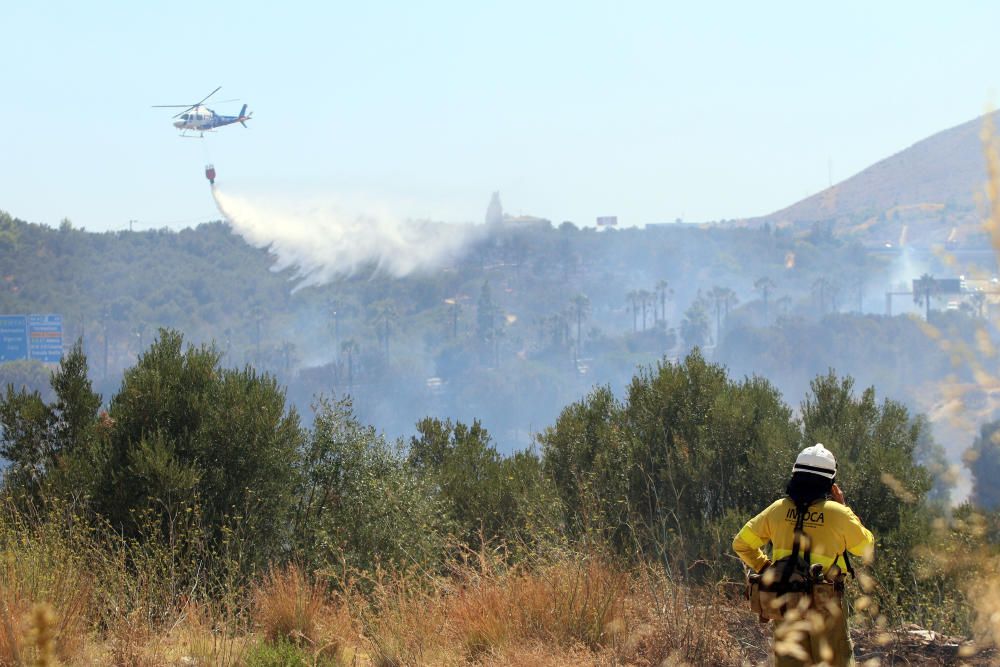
(822, 287)
(645, 297)
(486, 312)
(979, 301)
(560, 327)
(498, 333)
(581, 307)
(257, 312)
(383, 315)
(288, 351)
(139, 331)
(764, 285)
(455, 308)
(723, 298)
(633, 298)
(105, 313)
(857, 281)
(337, 309)
(729, 301)
(663, 290)
(924, 288)
(350, 348)
(694, 326)
(784, 304)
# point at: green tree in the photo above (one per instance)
(823, 290)
(350, 348)
(983, 461)
(674, 469)
(47, 444)
(870, 440)
(663, 291)
(30, 375)
(383, 318)
(645, 298)
(924, 289)
(485, 496)
(633, 299)
(765, 286)
(876, 445)
(9, 231)
(187, 433)
(581, 308)
(585, 454)
(724, 298)
(694, 326)
(979, 303)
(486, 311)
(358, 505)
(707, 452)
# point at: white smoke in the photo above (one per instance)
(326, 242)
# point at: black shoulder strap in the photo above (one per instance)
(800, 510)
(847, 562)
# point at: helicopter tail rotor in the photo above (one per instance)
(244, 116)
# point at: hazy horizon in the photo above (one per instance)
(571, 111)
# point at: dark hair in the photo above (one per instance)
(805, 487)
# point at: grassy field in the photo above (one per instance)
(71, 597)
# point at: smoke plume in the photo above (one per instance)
(324, 243)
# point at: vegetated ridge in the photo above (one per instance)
(931, 187)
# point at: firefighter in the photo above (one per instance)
(811, 531)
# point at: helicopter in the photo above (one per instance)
(199, 118)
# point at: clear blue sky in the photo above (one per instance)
(647, 110)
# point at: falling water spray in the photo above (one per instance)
(323, 242)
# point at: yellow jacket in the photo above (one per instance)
(829, 528)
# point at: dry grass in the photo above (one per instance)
(207, 636)
(576, 610)
(45, 589)
(290, 606)
(958, 548)
(404, 623)
(574, 602)
(566, 609)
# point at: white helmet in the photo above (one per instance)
(817, 460)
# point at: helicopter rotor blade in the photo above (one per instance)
(185, 108)
(207, 96)
(188, 107)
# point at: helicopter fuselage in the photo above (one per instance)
(199, 118)
(203, 119)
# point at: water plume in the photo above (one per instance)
(323, 243)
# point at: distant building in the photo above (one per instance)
(494, 212)
(496, 216)
(527, 220)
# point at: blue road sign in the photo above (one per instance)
(13, 337)
(45, 342)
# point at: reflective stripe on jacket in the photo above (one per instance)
(829, 527)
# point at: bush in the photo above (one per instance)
(359, 505)
(184, 432)
(485, 496)
(663, 473)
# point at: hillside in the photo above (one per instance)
(528, 320)
(499, 335)
(929, 188)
